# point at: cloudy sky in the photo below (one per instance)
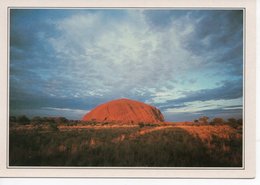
(187, 63)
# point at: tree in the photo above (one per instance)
(37, 120)
(61, 120)
(232, 120)
(235, 123)
(203, 119)
(48, 120)
(218, 121)
(12, 119)
(53, 126)
(240, 121)
(196, 121)
(23, 120)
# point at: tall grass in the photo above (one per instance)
(171, 147)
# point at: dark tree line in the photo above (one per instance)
(37, 120)
(219, 121)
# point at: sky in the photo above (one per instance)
(187, 63)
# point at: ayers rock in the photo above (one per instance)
(125, 111)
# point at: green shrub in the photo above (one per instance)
(141, 125)
(217, 121)
(23, 120)
(53, 126)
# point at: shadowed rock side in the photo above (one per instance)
(125, 111)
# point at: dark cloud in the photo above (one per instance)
(232, 106)
(220, 32)
(217, 35)
(211, 113)
(29, 31)
(163, 18)
(232, 55)
(222, 27)
(228, 90)
(23, 100)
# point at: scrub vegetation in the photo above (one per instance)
(61, 142)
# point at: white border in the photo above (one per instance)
(247, 172)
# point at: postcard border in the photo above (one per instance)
(137, 168)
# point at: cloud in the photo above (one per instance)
(211, 113)
(229, 90)
(200, 106)
(164, 19)
(116, 57)
(74, 113)
(78, 59)
(52, 111)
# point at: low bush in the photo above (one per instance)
(172, 147)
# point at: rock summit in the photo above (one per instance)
(125, 111)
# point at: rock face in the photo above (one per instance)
(125, 111)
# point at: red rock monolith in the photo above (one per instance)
(125, 111)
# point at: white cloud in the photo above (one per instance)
(197, 106)
(66, 112)
(99, 55)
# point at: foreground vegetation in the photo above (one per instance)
(68, 143)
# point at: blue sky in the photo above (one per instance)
(187, 63)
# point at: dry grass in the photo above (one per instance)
(206, 132)
(168, 144)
